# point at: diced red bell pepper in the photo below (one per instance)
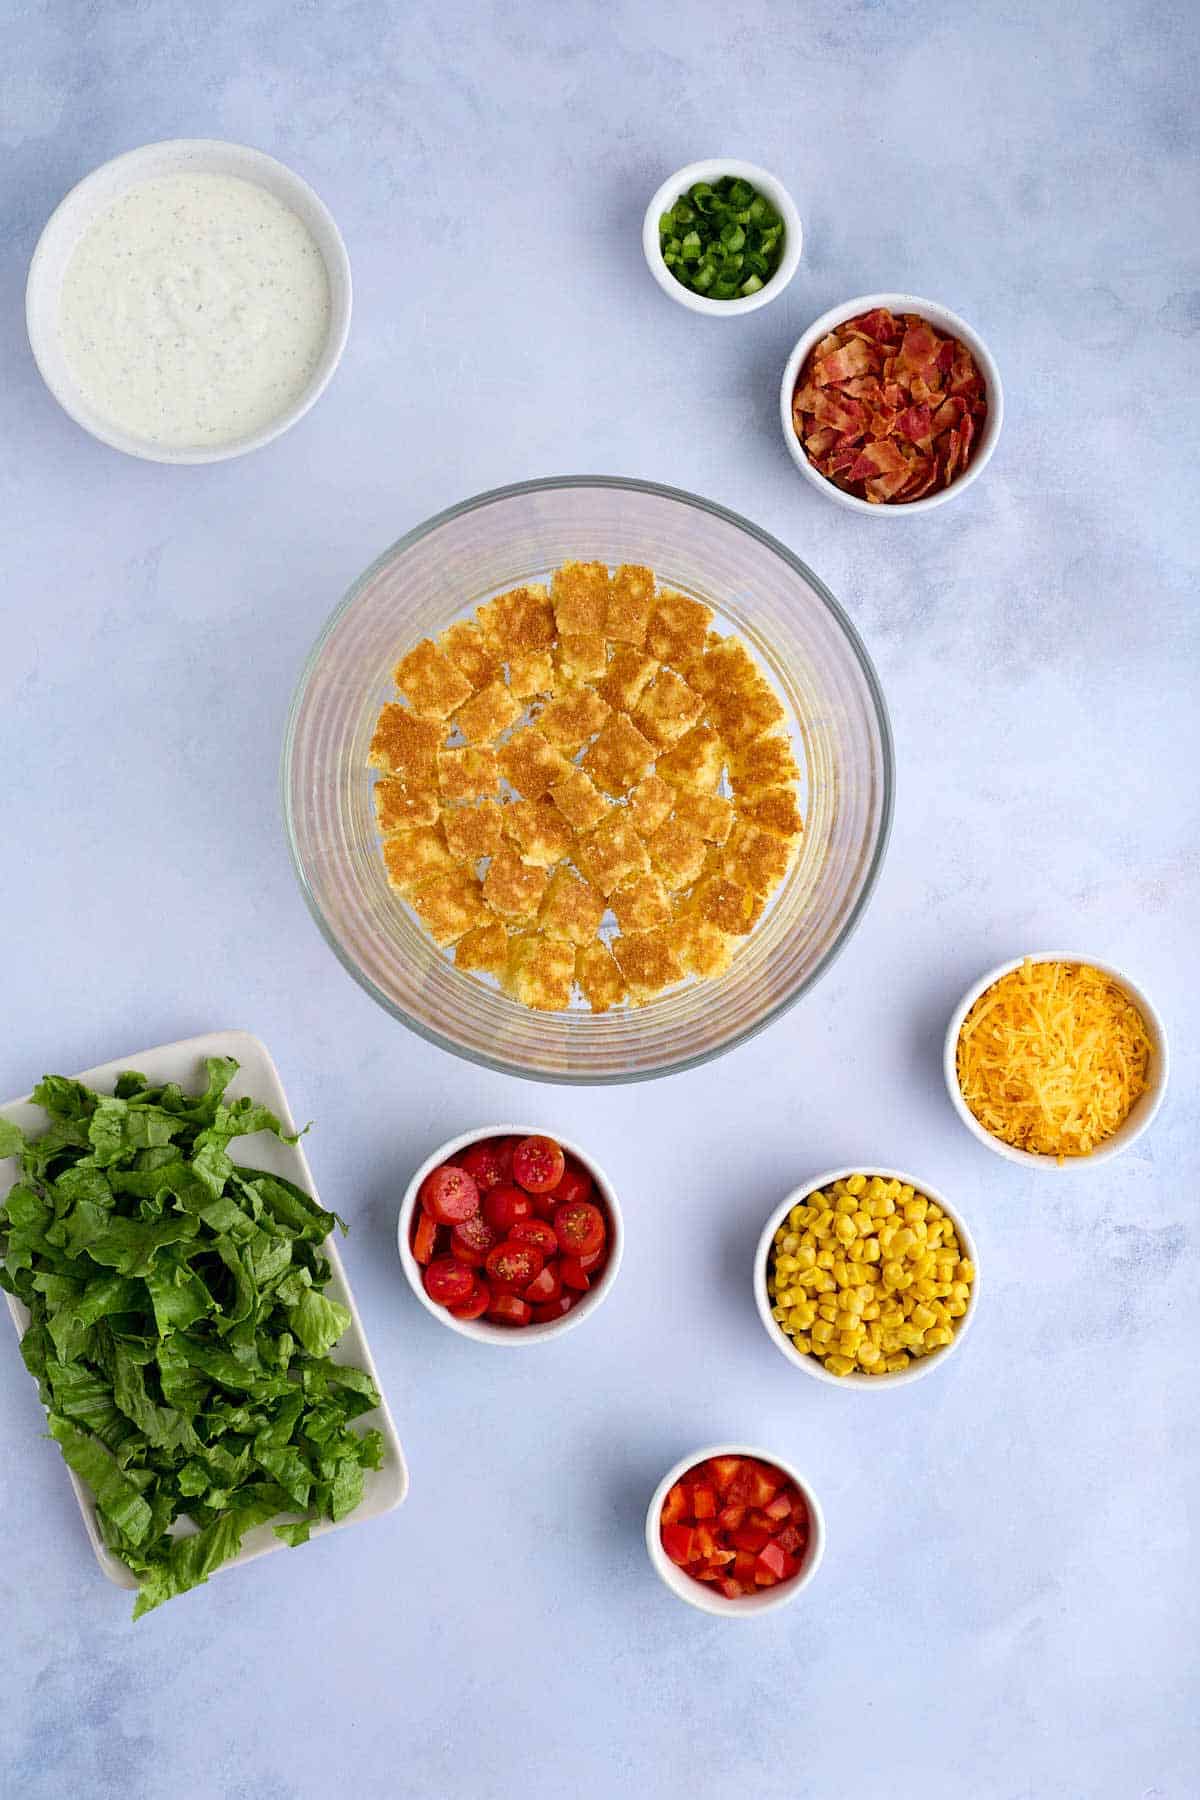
(704, 1503)
(750, 1537)
(739, 1489)
(789, 1540)
(732, 1589)
(743, 1568)
(755, 1516)
(723, 1469)
(730, 1517)
(780, 1507)
(674, 1506)
(766, 1485)
(799, 1510)
(679, 1542)
(773, 1565)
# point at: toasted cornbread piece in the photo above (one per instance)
(464, 645)
(580, 595)
(774, 810)
(628, 676)
(677, 852)
(742, 717)
(668, 709)
(531, 765)
(512, 888)
(532, 674)
(484, 950)
(539, 831)
(695, 762)
(677, 629)
(619, 756)
(572, 909)
(433, 684)
(396, 809)
(449, 906)
(492, 711)
(711, 815)
(406, 747)
(611, 852)
(648, 962)
(755, 859)
(650, 805)
(467, 774)
(582, 656)
(414, 857)
(473, 831)
(630, 600)
(579, 800)
(571, 720)
(641, 903)
(540, 972)
(766, 763)
(703, 949)
(726, 667)
(601, 982)
(516, 622)
(724, 904)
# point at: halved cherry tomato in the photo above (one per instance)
(576, 1184)
(538, 1164)
(674, 1506)
(488, 1164)
(553, 1310)
(579, 1228)
(448, 1282)
(545, 1286)
(424, 1241)
(449, 1194)
(535, 1231)
(476, 1303)
(471, 1240)
(573, 1273)
(513, 1265)
(504, 1206)
(509, 1309)
(679, 1542)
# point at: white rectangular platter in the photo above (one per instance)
(183, 1062)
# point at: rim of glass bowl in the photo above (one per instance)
(677, 1065)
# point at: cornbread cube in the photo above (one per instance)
(473, 831)
(702, 948)
(518, 621)
(723, 903)
(414, 857)
(531, 765)
(611, 853)
(582, 656)
(755, 859)
(492, 711)
(648, 962)
(601, 982)
(484, 950)
(629, 675)
(641, 903)
(512, 888)
(678, 627)
(580, 595)
(531, 675)
(775, 810)
(630, 600)
(710, 815)
(432, 683)
(572, 909)
(579, 801)
(540, 972)
(449, 906)
(539, 831)
(396, 809)
(571, 720)
(467, 774)
(766, 763)
(619, 756)
(695, 762)
(668, 709)
(726, 667)
(650, 805)
(406, 747)
(677, 852)
(464, 645)
(742, 717)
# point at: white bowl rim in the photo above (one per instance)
(1144, 1109)
(749, 1606)
(924, 1365)
(479, 1329)
(705, 170)
(938, 315)
(41, 309)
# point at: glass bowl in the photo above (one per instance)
(443, 570)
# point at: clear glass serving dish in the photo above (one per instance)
(442, 571)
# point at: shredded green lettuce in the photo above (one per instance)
(179, 1334)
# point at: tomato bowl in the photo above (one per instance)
(497, 1204)
(707, 1595)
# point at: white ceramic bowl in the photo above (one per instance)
(944, 320)
(481, 1329)
(1140, 1114)
(711, 170)
(71, 218)
(699, 1593)
(811, 1365)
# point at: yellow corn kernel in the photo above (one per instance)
(795, 1217)
(923, 1288)
(902, 1240)
(956, 1308)
(965, 1270)
(856, 1251)
(960, 1291)
(823, 1223)
(822, 1332)
(839, 1365)
(922, 1316)
(935, 1211)
(785, 1264)
(839, 1269)
(802, 1342)
(914, 1210)
(855, 1184)
(892, 1272)
(791, 1242)
(937, 1336)
(845, 1321)
(853, 1301)
(871, 1250)
(869, 1354)
(896, 1363)
(826, 1285)
(827, 1309)
(845, 1229)
(825, 1259)
(870, 1311)
(806, 1257)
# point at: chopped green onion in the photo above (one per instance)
(722, 239)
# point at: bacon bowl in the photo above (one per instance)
(943, 321)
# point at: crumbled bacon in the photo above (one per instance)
(889, 408)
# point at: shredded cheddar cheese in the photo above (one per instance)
(1052, 1057)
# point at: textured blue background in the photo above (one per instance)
(1007, 1609)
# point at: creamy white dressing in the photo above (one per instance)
(194, 310)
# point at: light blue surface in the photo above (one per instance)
(1007, 1608)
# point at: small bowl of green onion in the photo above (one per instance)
(722, 236)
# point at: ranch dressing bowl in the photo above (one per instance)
(188, 301)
